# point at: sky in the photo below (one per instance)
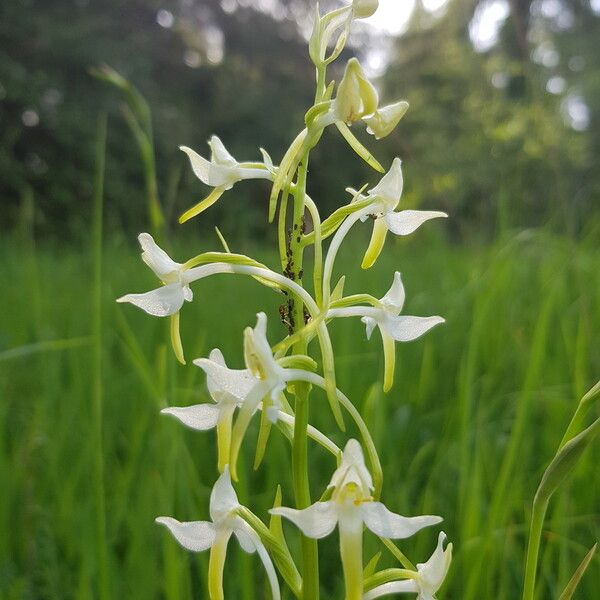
(392, 15)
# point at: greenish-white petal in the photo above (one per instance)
(406, 328)
(223, 499)
(384, 120)
(406, 586)
(395, 296)
(386, 524)
(390, 187)
(219, 154)
(407, 221)
(156, 258)
(161, 302)
(211, 173)
(199, 416)
(196, 536)
(433, 572)
(317, 521)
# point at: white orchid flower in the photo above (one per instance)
(203, 417)
(425, 581)
(263, 381)
(386, 197)
(229, 392)
(357, 99)
(198, 536)
(393, 326)
(221, 172)
(165, 301)
(352, 506)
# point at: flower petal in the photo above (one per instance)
(394, 298)
(393, 587)
(199, 416)
(210, 173)
(390, 187)
(405, 328)
(387, 524)
(193, 535)
(434, 571)
(317, 521)
(257, 350)
(370, 324)
(219, 153)
(407, 221)
(161, 302)
(376, 244)
(352, 468)
(221, 379)
(223, 498)
(245, 535)
(155, 257)
(384, 120)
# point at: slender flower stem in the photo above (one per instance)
(318, 268)
(336, 242)
(310, 556)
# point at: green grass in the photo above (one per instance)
(478, 409)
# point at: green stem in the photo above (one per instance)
(535, 534)
(98, 391)
(320, 91)
(310, 558)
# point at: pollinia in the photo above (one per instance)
(275, 385)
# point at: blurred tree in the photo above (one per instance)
(504, 136)
(487, 133)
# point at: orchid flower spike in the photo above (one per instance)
(393, 326)
(165, 301)
(198, 536)
(221, 172)
(351, 506)
(386, 197)
(263, 381)
(219, 414)
(425, 581)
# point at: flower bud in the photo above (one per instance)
(356, 96)
(364, 8)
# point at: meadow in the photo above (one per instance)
(478, 408)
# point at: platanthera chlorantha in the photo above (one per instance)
(274, 386)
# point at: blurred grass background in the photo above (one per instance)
(504, 137)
